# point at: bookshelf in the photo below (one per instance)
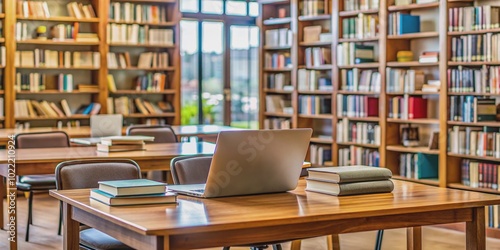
(434, 35)
(78, 69)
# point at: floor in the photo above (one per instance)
(44, 236)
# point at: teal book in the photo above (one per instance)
(110, 200)
(408, 24)
(348, 174)
(132, 187)
(427, 166)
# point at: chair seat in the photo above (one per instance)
(37, 182)
(98, 240)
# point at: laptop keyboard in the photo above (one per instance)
(198, 190)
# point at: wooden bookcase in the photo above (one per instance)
(90, 75)
(433, 36)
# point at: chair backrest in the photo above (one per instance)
(87, 173)
(190, 169)
(106, 125)
(52, 139)
(162, 133)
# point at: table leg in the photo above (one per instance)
(166, 243)
(333, 242)
(296, 245)
(414, 238)
(475, 230)
(71, 230)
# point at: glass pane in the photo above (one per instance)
(213, 73)
(211, 6)
(253, 9)
(244, 76)
(189, 6)
(237, 8)
(189, 82)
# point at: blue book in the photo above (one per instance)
(110, 200)
(132, 187)
(427, 166)
(88, 109)
(408, 24)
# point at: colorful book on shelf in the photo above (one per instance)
(132, 187)
(408, 24)
(110, 200)
(347, 174)
(352, 188)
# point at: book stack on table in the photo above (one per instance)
(133, 192)
(349, 180)
(123, 143)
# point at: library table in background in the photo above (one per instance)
(200, 223)
(44, 160)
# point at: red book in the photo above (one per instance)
(417, 107)
(372, 106)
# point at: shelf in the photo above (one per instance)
(142, 45)
(278, 91)
(138, 115)
(349, 92)
(321, 140)
(143, 69)
(2, 92)
(274, 1)
(354, 40)
(277, 48)
(149, 1)
(55, 92)
(162, 24)
(2, 40)
(277, 70)
(315, 92)
(473, 93)
(2, 15)
(60, 19)
(56, 42)
(321, 67)
(314, 44)
(142, 92)
(475, 157)
(277, 21)
(414, 6)
(319, 116)
(76, 117)
(361, 66)
(410, 64)
(277, 114)
(464, 187)
(432, 182)
(356, 12)
(315, 18)
(412, 93)
(358, 144)
(403, 149)
(429, 34)
(58, 68)
(475, 124)
(473, 32)
(472, 63)
(364, 119)
(414, 121)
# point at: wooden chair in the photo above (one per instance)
(30, 183)
(86, 174)
(161, 133)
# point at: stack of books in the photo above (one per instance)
(349, 180)
(132, 192)
(123, 143)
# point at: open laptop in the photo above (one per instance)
(253, 162)
(102, 126)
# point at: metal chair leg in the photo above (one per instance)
(378, 242)
(59, 230)
(225, 248)
(277, 247)
(30, 216)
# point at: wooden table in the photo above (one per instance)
(44, 160)
(200, 223)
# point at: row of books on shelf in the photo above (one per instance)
(279, 81)
(58, 32)
(478, 80)
(278, 104)
(3, 61)
(277, 123)
(480, 174)
(34, 108)
(320, 154)
(277, 60)
(474, 141)
(350, 5)
(362, 26)
(409, 81)
(314, 7)
(400, 23)
(354, 53)
(313, 80)
(41, 9)
(315, 105)
(315, 57)
(418, 166)
(360, 80)
(473, 18)
(36, 82)
(472, 109)
(407, 107)
(126, 106)
(138, 34)
(278, 37)
(54, 58)
(354, 155)
(134, 12)
(146, 60)
(153, 82)
(357, 106)
(358, 132)
(476, 48)
(1, 107)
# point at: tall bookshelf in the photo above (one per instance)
(434, 35)
(94, 76)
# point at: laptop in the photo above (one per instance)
(102, 126)
(253, 162)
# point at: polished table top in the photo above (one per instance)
(192, 215)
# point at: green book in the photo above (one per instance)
(349, 174)
(354, 188)
(110, 200)
(132, 187)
